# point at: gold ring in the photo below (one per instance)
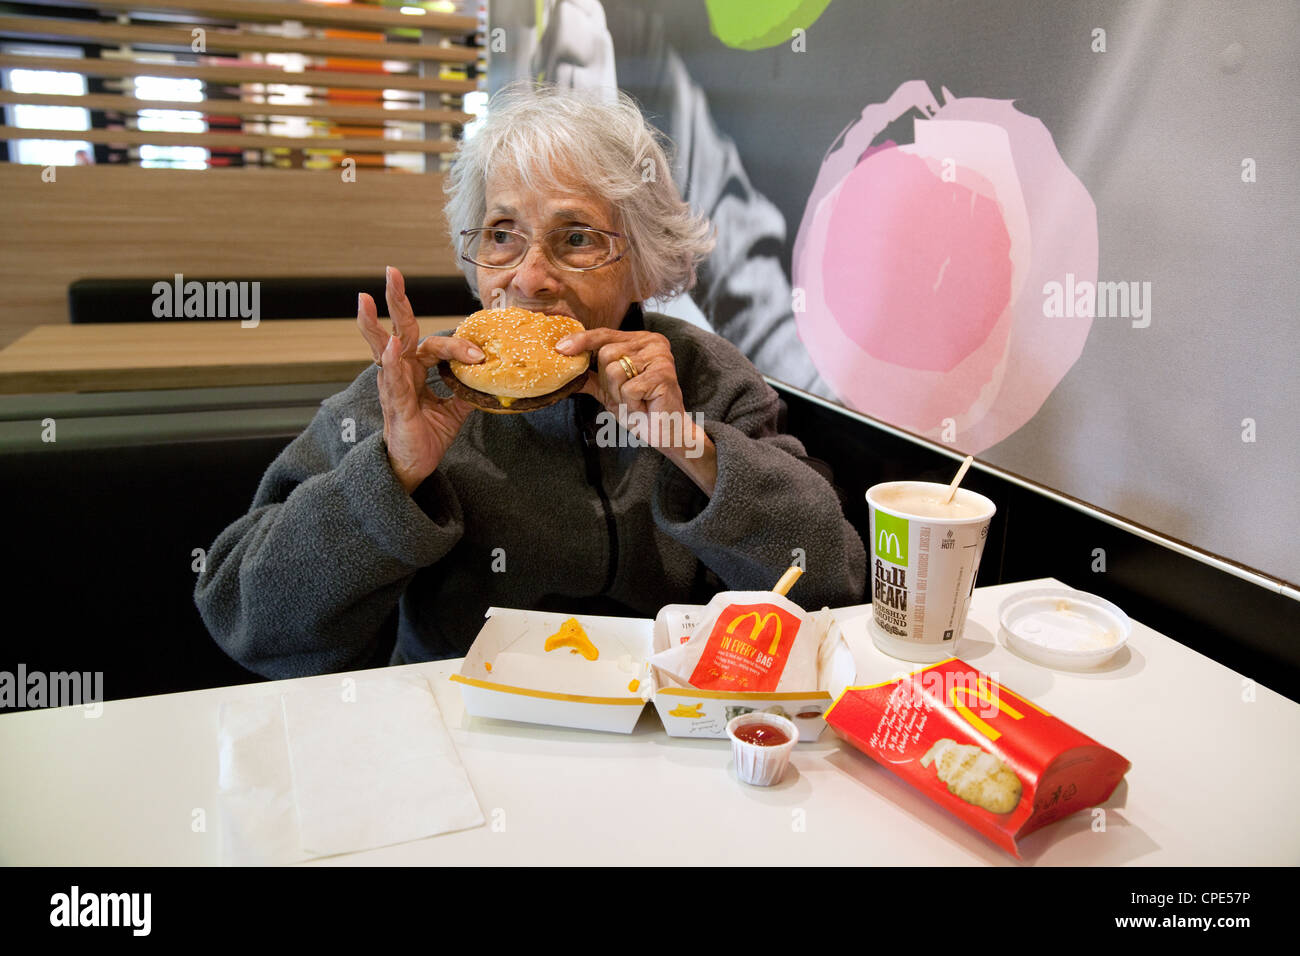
(628, 367)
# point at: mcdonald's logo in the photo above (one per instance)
(891, 537)
(733, 657)
(760, 624)
(982, 691)
(887, 543)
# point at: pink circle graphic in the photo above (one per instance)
(923, 267)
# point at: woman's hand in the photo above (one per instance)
(647, 400)
(419, 426)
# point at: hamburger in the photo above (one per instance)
(521, 371)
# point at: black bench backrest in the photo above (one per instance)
(327, 297)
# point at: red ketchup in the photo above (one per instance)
(764, 735)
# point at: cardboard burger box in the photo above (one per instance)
(509, 674)
(691, 712)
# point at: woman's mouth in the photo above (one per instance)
(553, 310)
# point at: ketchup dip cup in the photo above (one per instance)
(758, 764)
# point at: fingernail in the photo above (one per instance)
(388, 273)
(475, 355)
(394, 345)
(359, 305)
(563, 345)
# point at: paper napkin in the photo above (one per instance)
(338, 768)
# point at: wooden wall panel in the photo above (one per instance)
(130, 222)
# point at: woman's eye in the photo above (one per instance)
(578, 239)
(500, 236)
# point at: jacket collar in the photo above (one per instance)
(633, 319)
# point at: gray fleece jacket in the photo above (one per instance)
(336, 567)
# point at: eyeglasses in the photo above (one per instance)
(574, 248)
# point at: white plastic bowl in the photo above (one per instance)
(1064, 628)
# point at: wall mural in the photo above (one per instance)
(758, 24)
(1059, 237)
(921, 264)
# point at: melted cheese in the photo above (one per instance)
(505, 400)
(571, 635)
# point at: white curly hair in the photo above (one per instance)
(547, 137)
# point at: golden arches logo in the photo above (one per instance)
(759, 626)
(888, 544)
(983, 691)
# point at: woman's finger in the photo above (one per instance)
(611, 377)
(640, 366)
(368, 323)
(405, 326)
(457, 410)
(590, 340)
(641, 388)
(655, 379)
(438, 347)
(610, 371)
(643, 360)
(397, 391)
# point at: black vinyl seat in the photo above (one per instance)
(299, 297)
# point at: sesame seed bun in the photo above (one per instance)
(521, 371)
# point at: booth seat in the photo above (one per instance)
(103, 525)
(325, 297)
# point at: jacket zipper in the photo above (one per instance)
(592, 459)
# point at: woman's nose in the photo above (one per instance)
(535, 276)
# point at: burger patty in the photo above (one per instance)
(491, 403)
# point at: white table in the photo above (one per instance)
(1213, 779)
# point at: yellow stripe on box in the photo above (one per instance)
(740, 695)
(545, 694)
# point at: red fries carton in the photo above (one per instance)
(997, 761)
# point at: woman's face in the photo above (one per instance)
(599, 298)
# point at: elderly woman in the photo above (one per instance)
(384, 531)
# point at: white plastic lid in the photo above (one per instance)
(1062, 627)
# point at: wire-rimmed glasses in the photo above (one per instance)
(573, 248)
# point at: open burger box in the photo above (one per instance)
(509, 675)
(691, 712)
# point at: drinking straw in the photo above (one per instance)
(791, 575)
(961, 473)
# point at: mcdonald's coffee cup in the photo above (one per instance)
(924, 557)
